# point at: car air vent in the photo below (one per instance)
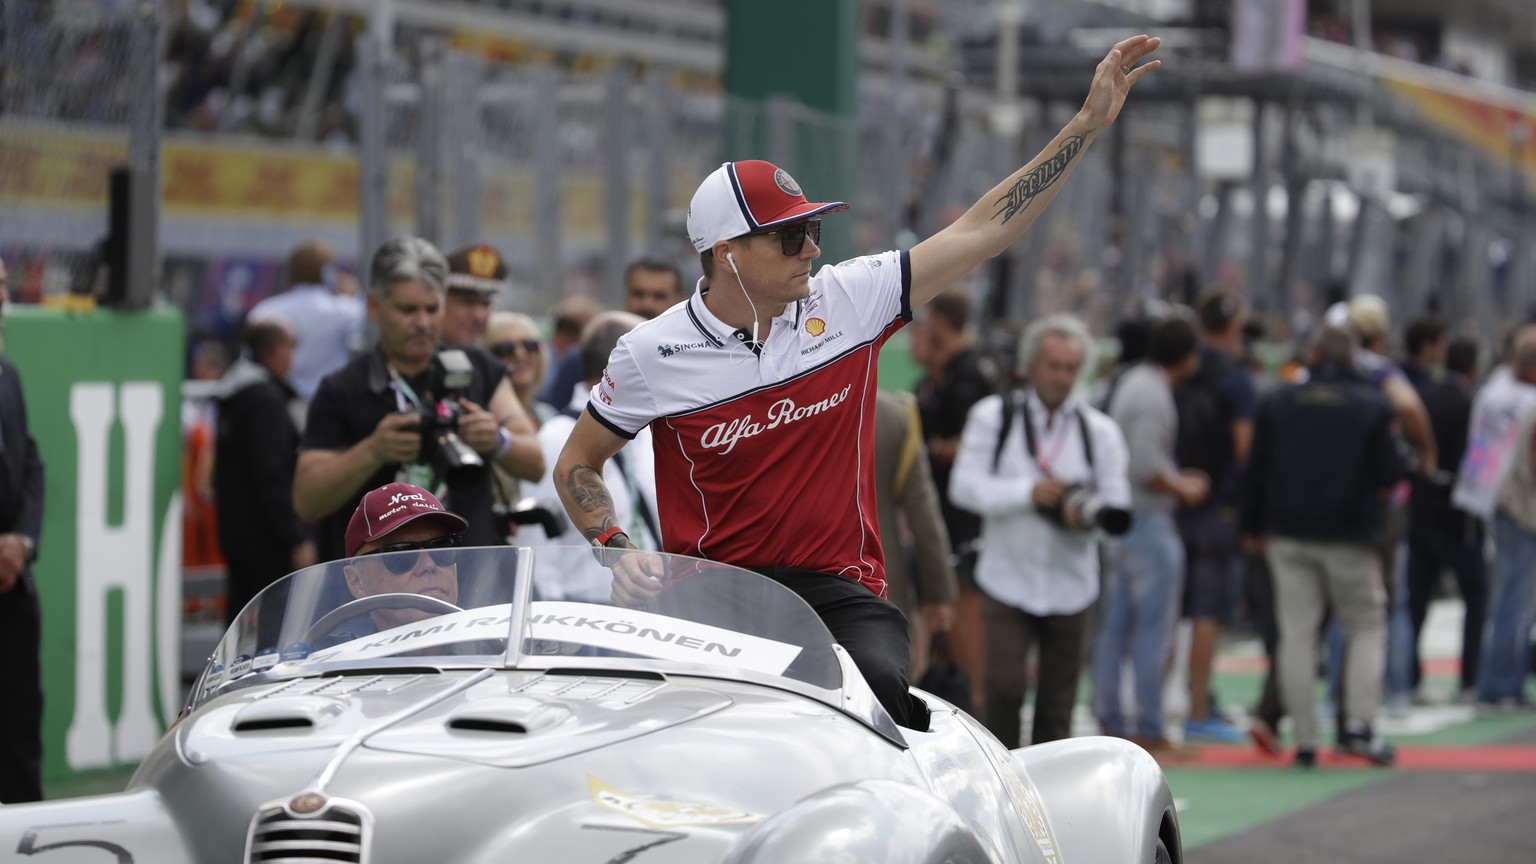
(268, 723)
(293, 713)
(487, 724)
(513, 715)
(337, 833)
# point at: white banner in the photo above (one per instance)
(629, 630)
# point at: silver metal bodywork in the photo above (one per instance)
(550, 752)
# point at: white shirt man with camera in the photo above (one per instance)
(1048, 474)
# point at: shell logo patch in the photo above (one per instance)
(665, 812)
(787, 183)
(815, 326)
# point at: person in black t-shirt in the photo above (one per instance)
(1440, 535)
(363, 426)
(1215, 407)
(957, 378)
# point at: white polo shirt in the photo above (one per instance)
(766, 458)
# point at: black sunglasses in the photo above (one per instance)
(508, 347)
(792, 237)
(440, 548)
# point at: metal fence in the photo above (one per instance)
(63, 126)
(570, 173)
(575, 167)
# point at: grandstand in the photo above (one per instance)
(1405, 138)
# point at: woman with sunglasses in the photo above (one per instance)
(402, 541)
(759, 388)
(514, 339)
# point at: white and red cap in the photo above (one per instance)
(742, 197)
(392, 505)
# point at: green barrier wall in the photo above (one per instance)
(104, 401)
(809, 50)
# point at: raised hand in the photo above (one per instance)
(1114, 76)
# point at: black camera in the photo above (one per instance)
(448, 377)
(1090, 510)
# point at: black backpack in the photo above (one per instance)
(1204, 439)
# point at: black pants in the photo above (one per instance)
(21, 682)
(1429, 552)
(1009, 633)
(1261, 605)
(870, 628)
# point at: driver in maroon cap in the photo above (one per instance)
(400, 518)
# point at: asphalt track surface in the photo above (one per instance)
(1468, 817)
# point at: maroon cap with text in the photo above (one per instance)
(392, 505)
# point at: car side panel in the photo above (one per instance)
(953, 757)
(134, 827)
(1105, 799)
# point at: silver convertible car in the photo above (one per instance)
(512, 713)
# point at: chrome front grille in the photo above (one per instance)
(338, 833)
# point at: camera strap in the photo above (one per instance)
(1013, 404)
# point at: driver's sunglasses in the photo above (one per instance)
(440, 548)
(509, 347)
(792, 237)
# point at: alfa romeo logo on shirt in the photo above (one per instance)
(815, 326)
(787, 183)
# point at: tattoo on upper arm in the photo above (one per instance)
(590, 494)
(1045, 175)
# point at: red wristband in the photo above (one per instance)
(603, 538)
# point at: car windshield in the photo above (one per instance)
(523, 608)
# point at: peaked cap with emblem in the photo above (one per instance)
(477, 268)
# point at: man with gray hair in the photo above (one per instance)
(1322, 460)
(1047, 473)
(387, 415)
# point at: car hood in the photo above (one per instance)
(717, 759)
(513, 720)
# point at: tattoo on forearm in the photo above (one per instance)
(591, 495)
(1045, 175)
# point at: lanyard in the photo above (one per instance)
(1044, 460)
(415, 473)
(403, 392)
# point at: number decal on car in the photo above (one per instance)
(28, 844)
(664, 837)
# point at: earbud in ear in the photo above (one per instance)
(731, 260)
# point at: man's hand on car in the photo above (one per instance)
(637, 578)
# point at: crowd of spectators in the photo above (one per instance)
(1193, 434)
(1311, 497)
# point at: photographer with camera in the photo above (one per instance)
(1047, 473)
(411, 411)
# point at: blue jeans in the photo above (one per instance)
(1142, 590)
(1506, 656)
